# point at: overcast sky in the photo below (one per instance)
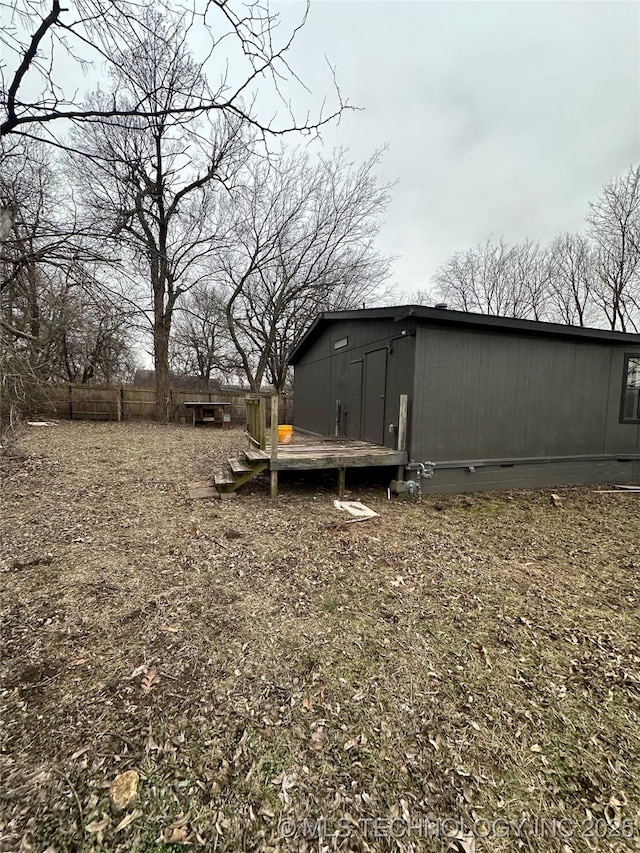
(500, 117)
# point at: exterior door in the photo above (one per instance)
(373, 397)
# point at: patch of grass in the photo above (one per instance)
(458, 655)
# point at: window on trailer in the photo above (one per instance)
(630, 409)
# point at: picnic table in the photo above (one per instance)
(214, 412)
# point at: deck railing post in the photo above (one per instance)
(402, 431)
(262, 423)
(274, 444)
(248, 414)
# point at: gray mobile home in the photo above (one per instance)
(493, 402)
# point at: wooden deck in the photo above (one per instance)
(309, 452)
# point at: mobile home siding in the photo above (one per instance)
(324, 375)
(493, 402)
(481, 396)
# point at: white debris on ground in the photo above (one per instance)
(358, 510)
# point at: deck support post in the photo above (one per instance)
(402, 431)
(342, 477)
(274, 444)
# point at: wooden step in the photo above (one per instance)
(239, 466)
(255, 455)
(223, 478)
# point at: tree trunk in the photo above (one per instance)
(161, 364)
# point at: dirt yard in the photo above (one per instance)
(462, 673)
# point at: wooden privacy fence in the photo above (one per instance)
(132, 402)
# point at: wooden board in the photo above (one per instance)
(255, 455)
(223, 478)
(202, 489)
(337, 459)
(239, 466)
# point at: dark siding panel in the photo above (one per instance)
(311, 397)
(354, 401)
(400, 369)
(523, 371)
(488, 396)
(341, 379)
(325, 375)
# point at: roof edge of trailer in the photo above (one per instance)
(462, 319)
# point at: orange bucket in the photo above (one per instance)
(285, 434)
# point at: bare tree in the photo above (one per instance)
(152, 181)
(45, 45)
(614, 228)
(303, 241)
(493, 278)
(200, 344)
(577, 279)
(55, 325)
(530, 271)
(571, 280)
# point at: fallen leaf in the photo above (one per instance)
(285, 781)
(98, 825)
(265, 810)
(80, 752)
(150, 680)
(317, 739)
(128, 819)
(465, 844)
(613, 813)
(151, 745)
(175, 835)
(485, 655)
